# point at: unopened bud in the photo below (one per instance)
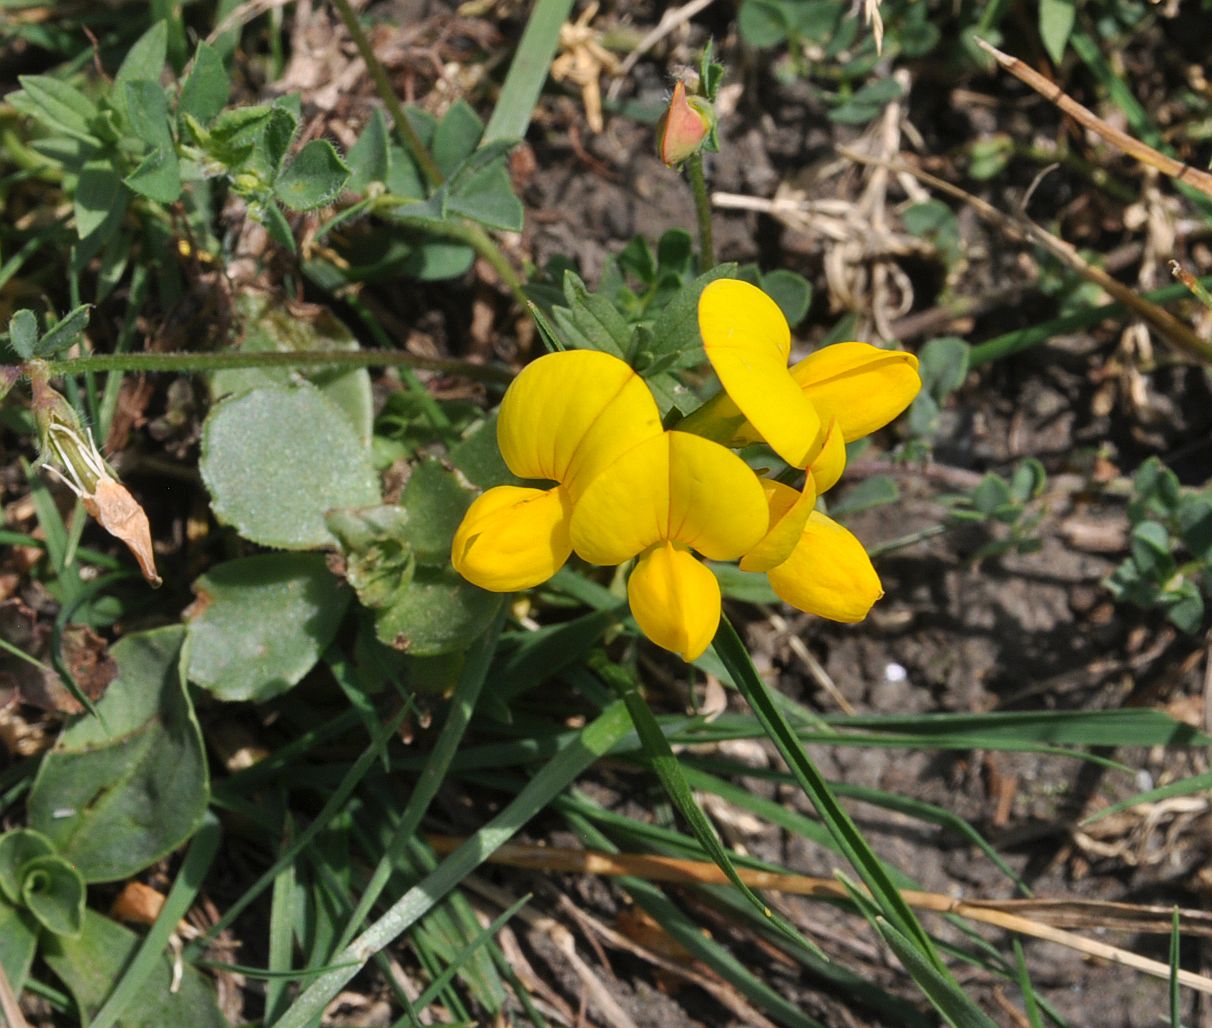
(686, 127)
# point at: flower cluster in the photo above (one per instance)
(624, 487)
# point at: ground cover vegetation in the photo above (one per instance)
(613, 513)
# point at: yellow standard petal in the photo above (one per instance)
(675, 600)
(828, 573)
(748, 343)
(789, 510)
(677, 487)
(513, 538)
(861, 385)
(569, 414)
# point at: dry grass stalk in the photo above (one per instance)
(1173, 330)
(1144, 153)
(999, 914)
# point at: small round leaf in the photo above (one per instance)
(264, 622)
(276, 459)
(53, 892)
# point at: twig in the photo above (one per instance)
(1174, 331)
(9, 1007)
(998, 913)
(1144, 153)
(670, 20)
(1192, 283)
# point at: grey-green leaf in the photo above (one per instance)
(145, 60)
(369, 158)
(276, 459)
(158, 176)
(18, 942)
(263, 623)
(147, 112)
(54, 892)
(91, 965)
(315, 177)
(65, 332)
(18, 848)
(23, 332)
(206, 88)
(97, 194)
(121, 790)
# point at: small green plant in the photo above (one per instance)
(1170, 547)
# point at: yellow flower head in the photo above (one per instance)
(805, 413)
(564, 418)
(828, 573)
(669, 495)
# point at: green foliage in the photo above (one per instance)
(262, 624)
(25, 342)
(33, 876)
(277, 458)
(1011, 503)
(943, 366)
(1169, 566)
(124, 788)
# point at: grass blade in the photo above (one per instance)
(591, 743)
(527, 72)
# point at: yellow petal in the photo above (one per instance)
(748, 342)
(861, 385)
(675, 600)
(828, 574)
(789, 510)
(676, 487)
(829, 459)
(513, 538)
(569, 414)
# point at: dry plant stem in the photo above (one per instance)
(9, 1007)
(192, 363)
(702, 210)
(1051, 92)
(1170, 328)
(670, 20)
(991, 912)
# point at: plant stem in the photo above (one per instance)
(420, 153)
(189, 363)
(702, 210)
(465, 231)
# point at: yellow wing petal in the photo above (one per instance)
(748, 342)
(861, 385)
(677, 487)
(675, 600)
(828, 460)
(569, 414)
(828, 574)
(513, 538)
(789, 510)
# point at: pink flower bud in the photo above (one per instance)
(687, 125)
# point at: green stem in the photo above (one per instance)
(420, 153)
(702, 210)
(191, 363)
(465, 231)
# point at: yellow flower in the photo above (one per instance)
(564, 418)
(806, 413)
(665, 497)
(828, 573)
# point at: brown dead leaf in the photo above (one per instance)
(121, 516)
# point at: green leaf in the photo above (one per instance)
(866, 495)
(791, 291)
(276, 459)
(315, 177)
(1150, 548)
(272, 142)
(743, 586)
(437, 613)
(1195, 524)
(991, 494)
(528, 70)
(23, 332)
(145, 60)
(18, 943)
(487, 197)
(96, 198)
(987, 158)
(369, 158)
(379, 562)
(158, 176)
(762, 23)
(229, 141)
(591, 321)
(478, 456)
(943, 365)
(436, 501)
(456, 137)
(675, 334)
(270, 215)
(123, 789)
(1056, 18)
(269, 326)
(92, 964)
(58, 105)
(948, 998)
(147, 113)
(866, 103)
(263, 623)
(53, 892)
(206, 87)
(18, 848)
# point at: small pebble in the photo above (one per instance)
(895, 673)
